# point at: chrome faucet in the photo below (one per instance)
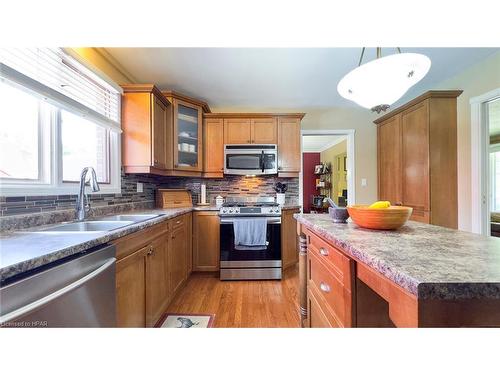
(81, 208)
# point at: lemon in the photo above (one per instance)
(381, 204)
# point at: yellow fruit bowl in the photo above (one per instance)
(389, 218)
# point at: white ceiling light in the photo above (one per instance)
(381, 82)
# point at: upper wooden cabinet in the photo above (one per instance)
(264, 130)
(417, 157)
(213, 148)
(289, 155)
(250, 130)
(187, 145)
(282, 129)
(144, 125)
(162, 132)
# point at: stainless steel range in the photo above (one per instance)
(250, 263)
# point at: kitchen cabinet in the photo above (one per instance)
(206, 240)
(417, 157)
(250, 130)
(177, 257)
(237, 131)
(289, 249)
(157, 284)
(144, 125)
(289, 153)
(187, 145)
(162, 132)
(213, 148)
(131, 289)
(389, 159)
(264, 131)
(152, 266)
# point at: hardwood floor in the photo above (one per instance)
(265, 304)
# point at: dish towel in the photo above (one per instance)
(250, 234)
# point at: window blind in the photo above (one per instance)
(58, 77)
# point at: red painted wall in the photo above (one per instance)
(310, 159)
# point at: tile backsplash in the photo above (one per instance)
(228, 186)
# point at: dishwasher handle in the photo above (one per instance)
(58, 293)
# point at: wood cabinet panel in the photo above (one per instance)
(289, 155)
(206, 241)
(289, 246)
(178, 258)
(316, 314)
(389, 160)
(237, 131)
(415, 156)
(213, 137)
(131, 290)
(159, 133)
(264, 131)
(157, 286)
(181, 161)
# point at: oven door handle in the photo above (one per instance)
(230, 220)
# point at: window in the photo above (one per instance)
(46, 136)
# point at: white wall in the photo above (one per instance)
(474, 81)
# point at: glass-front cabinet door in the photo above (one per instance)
(187, 136)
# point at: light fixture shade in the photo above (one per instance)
(381, 82)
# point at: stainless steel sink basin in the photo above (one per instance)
(133, 218)
(89, 226)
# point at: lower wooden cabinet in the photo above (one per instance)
(157, 284)
(330, 281)
(131, 289)
(206, 241)
(177, 258)
(289, 246)
(152, 266)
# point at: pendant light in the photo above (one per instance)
(381, 82)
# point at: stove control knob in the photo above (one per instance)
(230, 210)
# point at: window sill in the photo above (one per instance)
(18, 191)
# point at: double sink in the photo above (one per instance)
(104, 224)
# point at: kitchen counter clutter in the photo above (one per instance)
(420, 270)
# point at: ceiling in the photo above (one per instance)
(319, 143)
(273, 77)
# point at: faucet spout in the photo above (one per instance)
(82, 208)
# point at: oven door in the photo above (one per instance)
(267, 258)
(250, 160)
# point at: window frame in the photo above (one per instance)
(493, 149)
(50, 160)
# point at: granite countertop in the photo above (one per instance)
(26, 250)
(430, 262)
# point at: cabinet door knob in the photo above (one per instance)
(150, 251)
(324, 287)
(324, 252)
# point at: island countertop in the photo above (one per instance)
(428, 261)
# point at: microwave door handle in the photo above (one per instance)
(262, 161)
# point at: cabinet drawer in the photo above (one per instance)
(178, 221)
(330, 289)
(317, 314)
(338, 263)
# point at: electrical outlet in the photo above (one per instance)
(363, 182)
(140, 187)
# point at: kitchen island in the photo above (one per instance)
(418, 276)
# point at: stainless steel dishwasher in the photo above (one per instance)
(78, 292)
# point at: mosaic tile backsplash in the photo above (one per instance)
(228, 186)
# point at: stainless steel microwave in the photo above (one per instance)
(250, 159)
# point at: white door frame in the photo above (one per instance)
(480, 188)
(351, 162)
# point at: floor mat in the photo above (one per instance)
(176, 320)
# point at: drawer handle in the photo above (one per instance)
(324, 287)
(324, 252)
(178, 222)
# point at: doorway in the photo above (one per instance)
(327, 169)
(485, 152)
